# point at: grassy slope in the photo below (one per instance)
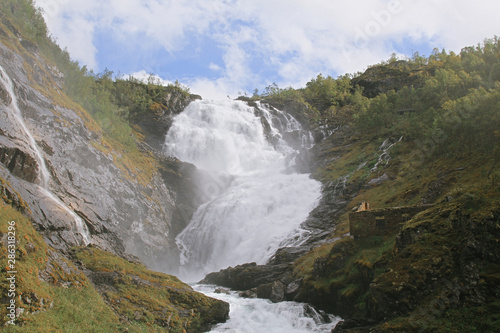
(360, 275)
(137, 294)
(58, 297)
(63, 304)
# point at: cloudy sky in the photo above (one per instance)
(227, 47)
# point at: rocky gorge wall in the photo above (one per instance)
(84, 211)
(126, 209)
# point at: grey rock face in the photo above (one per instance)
(121, 214)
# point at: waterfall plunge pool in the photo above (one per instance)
(256, 315)
(258, 208)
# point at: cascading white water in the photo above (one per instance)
(261, 315)
(14, 113)
(384, 156)
(263, 203)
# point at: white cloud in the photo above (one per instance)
(72, 28)
(145, 77)
(213, 89)
(294, 39)
(215, 67)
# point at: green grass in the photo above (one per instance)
(57, 297)
(150, 298)
(77, 308)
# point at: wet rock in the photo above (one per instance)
(296, 109)
(380, 180)
(274, 291)
(266, 127)
(4, 96)
(292, 289)
(246, 276)
(354, 325)
(250, 293)
(20, 163)
(154, 125)
(122, 213)
(222, 291)
(287, 255)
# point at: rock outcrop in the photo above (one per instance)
(383, 78)
(125, 208)
(139, 295)
(99, 291)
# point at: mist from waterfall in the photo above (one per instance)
(255, 198)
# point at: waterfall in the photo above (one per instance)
(262, 201)
(14, 113)
(384, 156)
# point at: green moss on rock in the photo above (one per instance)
(113, 295)
(139, 295)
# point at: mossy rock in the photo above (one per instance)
(54, 295)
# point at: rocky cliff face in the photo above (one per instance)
(125, 209)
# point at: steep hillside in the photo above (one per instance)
(437, 270)
(65, 159)
(74, 173)
(100, 293)
(420, 133)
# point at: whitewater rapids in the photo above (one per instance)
(255, 199)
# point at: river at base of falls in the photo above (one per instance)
(255, 202)
(255, 315)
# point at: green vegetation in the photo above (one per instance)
(150, 298)
(446, 103)
(63, 300)
(418, 279)
(345, 271)
(116, 102)
(112, 102)
(57, 297)
(446, 109)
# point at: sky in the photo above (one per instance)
(221, 48)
